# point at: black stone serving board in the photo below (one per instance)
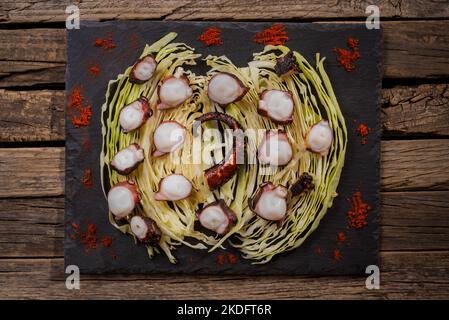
(357, 92)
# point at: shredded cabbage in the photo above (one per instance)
(257, 239)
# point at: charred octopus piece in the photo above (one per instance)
(143, 69)
(217, 216)
(123, 198)
(134, 115)
(127, 159)
(303, 185)
(146, 230)
(286, 64)
(223, 171)
(225, 88)
(270, 202)
(277, 105)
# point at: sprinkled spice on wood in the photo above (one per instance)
(362, 130)
(274, 35)
(87, 178)
(211, 37)
(107, 43)
(347, 57)
(79, 109)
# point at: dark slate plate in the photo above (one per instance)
(358, 95)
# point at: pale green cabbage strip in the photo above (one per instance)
(257, 239)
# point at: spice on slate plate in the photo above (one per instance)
(94, 70)
(347, 57)
(362, 130)
(357, 216)
(107, 43)
(274, 35)
(87, 178)
(232, 259)
(211, 37)
(357, 219)
(221, 259)
(89, 237)
(341, 237)
(337, 255)
(81, 106)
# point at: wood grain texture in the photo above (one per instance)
(418, 110)
(38, 115)
(408, 45)
(32, 115)
(409, 52)
(54, 11)
(415, 165)
(35, 227)
(31, 171)
(405, 165)
(32, 56)
(403, 275)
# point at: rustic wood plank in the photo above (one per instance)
(406, 165)
(418, 49)
(403, 275)
(35, 227)
(414, 220)
(417, 110)
(412, 49)
(31, 227)
(31, 171)
(415, 165)
(32, 115)
(32, 56)
(54, 11)
(38, 115)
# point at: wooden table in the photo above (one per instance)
(414, 169)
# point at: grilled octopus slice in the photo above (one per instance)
(223, 171)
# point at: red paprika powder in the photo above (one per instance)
(346, 57)
(274, 35)
(87, 178)
(358, 214)
(106, 44)
(362, 130)
(211, 37)
(79, 109)
(94, 70)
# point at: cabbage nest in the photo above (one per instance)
(257, 239)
